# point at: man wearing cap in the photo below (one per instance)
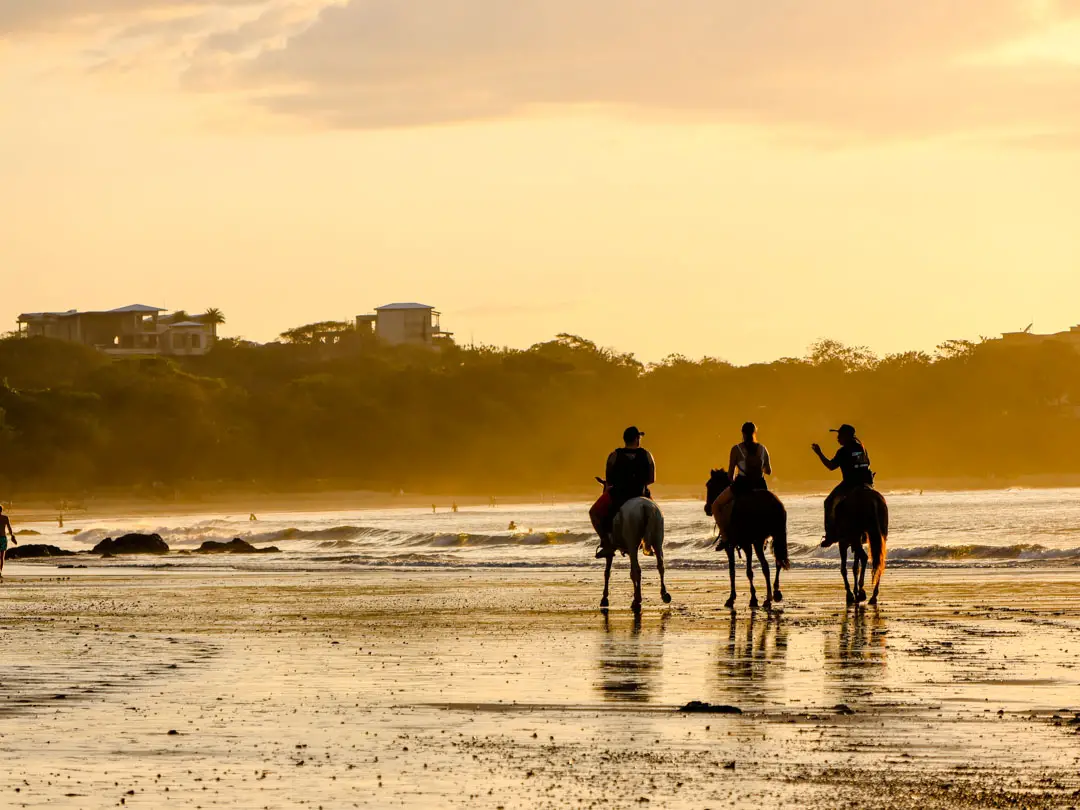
(854, 462)
(629, 471)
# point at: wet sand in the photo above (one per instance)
(487, 688)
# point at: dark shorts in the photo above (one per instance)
(744, 484)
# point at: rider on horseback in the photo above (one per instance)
(629, 472)
(854, 462)
(748, 464)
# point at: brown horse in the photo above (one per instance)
(861, 516)
(755, 517)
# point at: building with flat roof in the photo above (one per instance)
(1028, 338)
(405, 324)
(132, 330)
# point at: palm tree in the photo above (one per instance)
(214, 317)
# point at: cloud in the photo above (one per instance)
(23, 17)
(846, 69)
(868, 68)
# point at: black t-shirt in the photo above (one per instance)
(854, 463)
(629, 472)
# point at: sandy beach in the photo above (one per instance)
(487, 688)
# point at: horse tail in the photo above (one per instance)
(878, 530)
(779, 537)
(653, 529)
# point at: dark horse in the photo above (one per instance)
(862, 515)
(755, 517)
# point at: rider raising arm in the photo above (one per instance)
(854, 463)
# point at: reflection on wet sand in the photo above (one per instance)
(630, 659)
(752, 658)
(857, 652)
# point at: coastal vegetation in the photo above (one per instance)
(350, 412)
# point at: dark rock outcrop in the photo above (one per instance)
(236, 546)
(132, 544)
(35, 551)
(697, 706)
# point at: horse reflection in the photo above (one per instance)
(857, 653)
(752, 659)
(630, 661)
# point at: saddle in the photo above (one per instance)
(844, 496)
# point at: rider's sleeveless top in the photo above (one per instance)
(750, 464)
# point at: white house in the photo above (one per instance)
(405, 323)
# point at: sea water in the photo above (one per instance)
(1002, 527)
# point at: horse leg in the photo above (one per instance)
(664, 595)
(777, 596)
(750, 576)
(843, 570)
(760, 550)
(730, 603)
(607, 579)
(860, 578)
(635, 577)
(877, 548)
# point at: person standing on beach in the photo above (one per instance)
(5, 532)
(629, 471)
(854, 463)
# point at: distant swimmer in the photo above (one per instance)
(854, 463)
(512, 527)
(453, 507)
(433, 510)
(252, 516)
(60, 520)
(5, 532)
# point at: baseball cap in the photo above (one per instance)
(632, 433)
(843, 429)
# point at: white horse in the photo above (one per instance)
(639, 525)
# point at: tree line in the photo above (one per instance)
(327, 407)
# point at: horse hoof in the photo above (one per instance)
(666, 597)
(862, 596)
(730, 603)
(753, 601)
(873, 600)
(604, 602)
(777, 596)
(850, 598)
(767, 604)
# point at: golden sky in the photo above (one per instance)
(709, 177)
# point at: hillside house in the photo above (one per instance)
(132, 330)
(405, 323)
(1027, 338)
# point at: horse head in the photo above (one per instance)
(717, 483)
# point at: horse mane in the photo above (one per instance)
(720, 474)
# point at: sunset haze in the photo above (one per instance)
(707, 178)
